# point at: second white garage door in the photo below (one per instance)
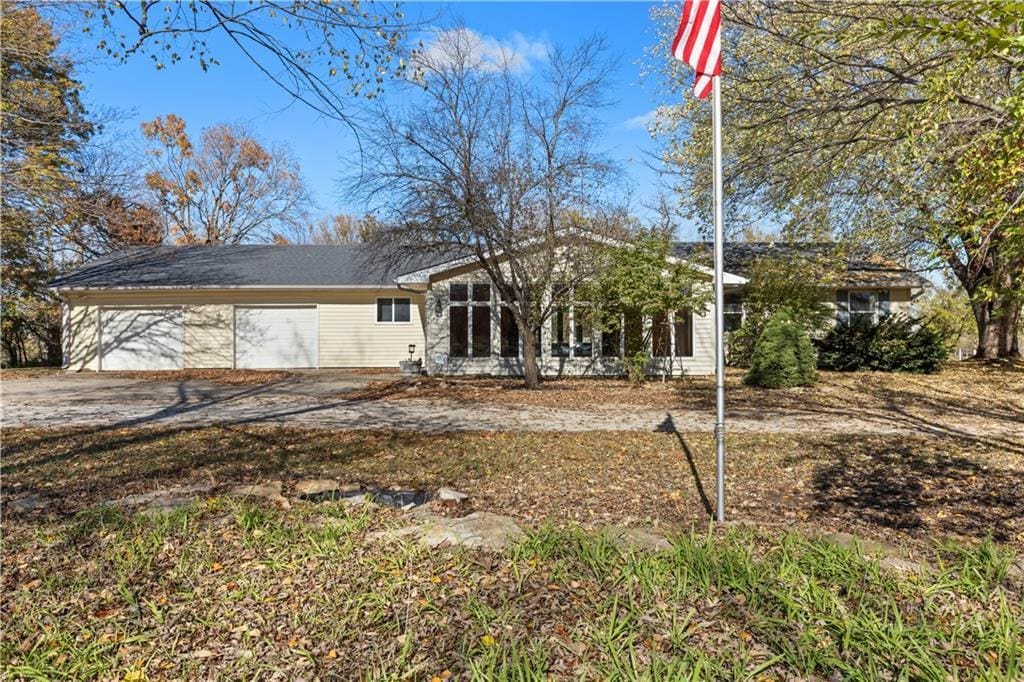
(275, 337)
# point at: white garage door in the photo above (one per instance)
(141, 338)
(269, 337)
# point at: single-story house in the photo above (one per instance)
(313, 306)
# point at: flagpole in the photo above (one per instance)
(716, 89)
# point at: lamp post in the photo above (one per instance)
(412, 351)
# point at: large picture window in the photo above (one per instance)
(509, 334)
(394, 309)
(458, 331)
(683, 332)
(560, 333)
(469, 320)
(481, 331)
(582, 336)
(610, 342)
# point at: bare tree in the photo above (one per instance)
(333, 229)
(318, 52)
(502, 168)
(228, 189)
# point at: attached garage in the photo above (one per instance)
(276, 337)
(141, 338)
(245, 306)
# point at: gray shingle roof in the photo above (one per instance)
(363, 265)
(243, 265)
(863, 269)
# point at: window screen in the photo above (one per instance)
(402, 309)
(459, 292)
(385, 310)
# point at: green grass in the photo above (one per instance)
(222, 589)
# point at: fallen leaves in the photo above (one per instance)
(221, 377)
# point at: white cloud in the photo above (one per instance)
(643, 121)
(489, 53)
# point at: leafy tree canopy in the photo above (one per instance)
(886, 123)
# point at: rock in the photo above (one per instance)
(480, 529)
(316, 486)
(632, 539)
(358, 500)
(451, 495)
(28, 503)
(889, 556)
(1016, 568)
(268, 491)
(154, 496)
(869, 547)
(166, 505)
(901, 565)
(321, 489)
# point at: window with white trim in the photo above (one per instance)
(861, 305)
(394, 310)
(732, 312)
(469, 320)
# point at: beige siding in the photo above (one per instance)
(703, 360)
(82, 344)
(209, 330)
(350, 335)
(899, 301)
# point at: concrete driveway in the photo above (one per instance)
(319, 399)
(90, 387)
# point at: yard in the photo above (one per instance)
(231, 588)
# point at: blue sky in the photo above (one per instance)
(235, 92)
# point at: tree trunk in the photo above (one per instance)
(531, 374)
(997, 321)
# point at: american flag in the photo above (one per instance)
(698, 42)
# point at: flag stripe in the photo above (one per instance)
(708, 55)
(698, 42)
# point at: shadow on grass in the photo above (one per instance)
(669, 426)
(917, 486)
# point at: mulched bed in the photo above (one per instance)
(891, 488)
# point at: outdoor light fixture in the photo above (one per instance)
(438, 307)
(412, 350)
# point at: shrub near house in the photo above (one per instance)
(783, 355)
(892, 344)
